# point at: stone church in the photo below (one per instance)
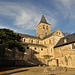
(44, 43)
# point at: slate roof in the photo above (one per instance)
(34, 44)
(26, 35)
(31, 36)
(69, 39)
(43, 20)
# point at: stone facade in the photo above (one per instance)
(44, 41)
(43, 30)
(66, 55)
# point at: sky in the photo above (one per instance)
(24, 15)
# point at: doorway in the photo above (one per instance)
(57, 62)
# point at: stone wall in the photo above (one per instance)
(64, 50)
(67, 61)
(35, 51)
(65, 55)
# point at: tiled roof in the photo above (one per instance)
(69, 39)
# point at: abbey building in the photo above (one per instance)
(48, 43)
(43, 42)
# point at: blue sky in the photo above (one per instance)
(24, 15)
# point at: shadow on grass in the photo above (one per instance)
(15, 72)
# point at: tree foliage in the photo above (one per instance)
(9, 39)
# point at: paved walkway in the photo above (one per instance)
(33, 71)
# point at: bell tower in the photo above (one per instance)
(43, 28)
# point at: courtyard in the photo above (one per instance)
(38, 70)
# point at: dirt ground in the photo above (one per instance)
(34, 71)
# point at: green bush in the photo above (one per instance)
(9, 39)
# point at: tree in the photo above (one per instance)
(9, 39)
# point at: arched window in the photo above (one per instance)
(73, 46)
(43, 26)
(65, 40)
(24, 40)
(46, 33)
(27, 47)
(37, 42)
(49, 41)
(35, 48)
(44, 42)
(59, 49)
(51, 50)
(31, 41)
(41, 49)
(47, 27)
(57, 33)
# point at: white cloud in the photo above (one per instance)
(67, 3)
(27, 19)
(24, 17)
(2, 27)
(52, 21)
(66, 7)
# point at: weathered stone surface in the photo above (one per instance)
(54, 70)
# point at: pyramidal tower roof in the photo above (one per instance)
(43, 20)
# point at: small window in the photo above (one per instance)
(24, 40)
(42, 49)
(37, 42)
(59, 49)
(51, 50)
(43, 26)
(31, 41)
(65, 40)
(27, 47)
(57, 33)
(46, 33)
(73, 46)
(47, 27)
(44, 42)
(35, 48)
(49, 41)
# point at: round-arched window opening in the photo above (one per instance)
(35, 48)
(47, 27)
(42, 49)
(27, 47)
(43, 26)
(24, 40)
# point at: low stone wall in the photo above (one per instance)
(48, 62)
(52, 62)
